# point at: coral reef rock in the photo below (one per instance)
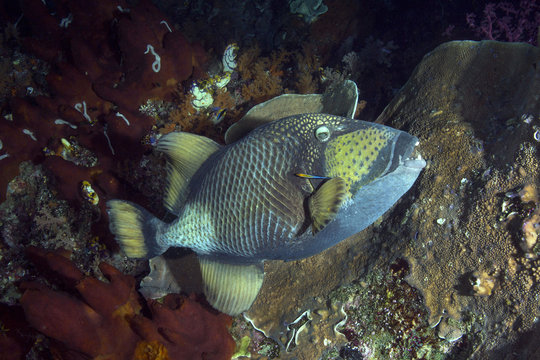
(474, 106)
(309, 10)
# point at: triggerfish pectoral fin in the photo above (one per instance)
(325, 203)
(231, 287)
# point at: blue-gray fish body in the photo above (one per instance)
(252, 200)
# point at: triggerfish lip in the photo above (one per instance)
(411, 158)
(402, 147)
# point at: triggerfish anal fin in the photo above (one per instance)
(186, 152)
(231, 287)
(325, 202)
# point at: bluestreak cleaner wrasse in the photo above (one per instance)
(253, 200)
(218, 114)
(307, 176)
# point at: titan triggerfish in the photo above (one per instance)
(288, 189)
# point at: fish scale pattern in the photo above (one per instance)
(258, 206)
(245, 201)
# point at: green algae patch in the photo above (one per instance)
(386, 318)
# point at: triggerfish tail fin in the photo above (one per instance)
(231, 287)
(324, 204)
(135, 229)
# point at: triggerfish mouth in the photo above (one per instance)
(288, 189)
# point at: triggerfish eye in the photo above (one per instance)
(322, 133)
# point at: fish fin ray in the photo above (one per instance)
(274, 109)
(186, 154)
(340, 100)
(325, 203)
(135, 229)
(231, 287)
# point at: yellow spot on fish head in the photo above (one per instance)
(353, 156)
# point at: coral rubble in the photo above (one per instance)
(33, 215)
(386, 317)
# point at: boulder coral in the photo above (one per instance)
(110, 320)
(474, 107)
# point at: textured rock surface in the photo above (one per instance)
(474, 106)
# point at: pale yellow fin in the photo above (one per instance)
(135, 229)
(186, 152)
(231, 287)
(273, 109)
(325, 203)
(340, 99)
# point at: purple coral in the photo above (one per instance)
(503, 21)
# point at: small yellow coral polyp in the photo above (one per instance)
(483, 284)
(150, 350)
(88, 193)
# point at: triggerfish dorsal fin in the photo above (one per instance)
(271, 110)
(186, 152)
(325, 203)
(340, 99)
(231, 287)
